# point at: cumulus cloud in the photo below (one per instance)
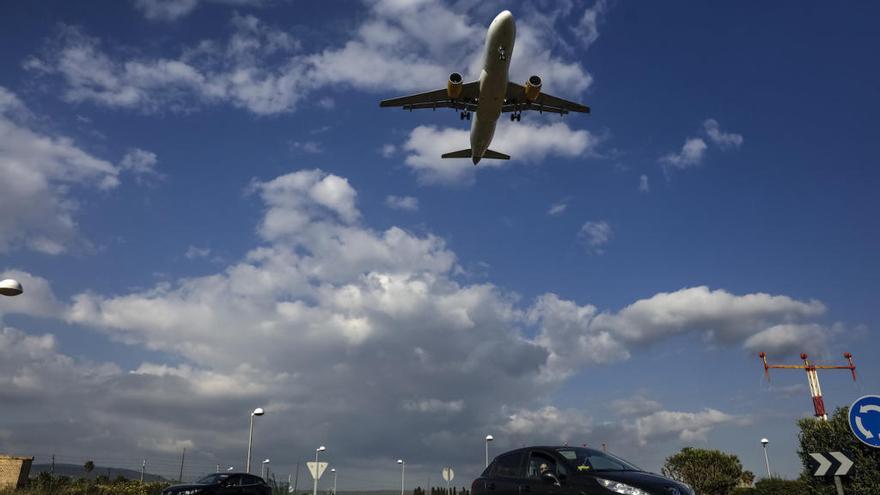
(40, 173)
(595, 235)
(408, 203)
(691, 154)
(588, 26)
(171, 10)
(694, 149)
(724, 140)
(342, 327)
(524, 142)
(686, 426)
(399, 46)
(790, 339)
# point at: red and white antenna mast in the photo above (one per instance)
(812, 377)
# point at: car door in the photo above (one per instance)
(231, 485)
(508, 474)
(252, 485)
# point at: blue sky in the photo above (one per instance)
(210, 213)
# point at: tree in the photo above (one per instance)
(708, 472)
(834, 435)
(747, 478)
(89, 466)
(778, 486)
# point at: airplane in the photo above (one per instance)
(490, 96)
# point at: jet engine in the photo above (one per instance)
(454, 86)
(533, 88)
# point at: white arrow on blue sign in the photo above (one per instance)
(864, 420)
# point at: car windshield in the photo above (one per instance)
(212, 479)
(586, 460)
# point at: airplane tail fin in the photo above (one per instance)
(469, 154)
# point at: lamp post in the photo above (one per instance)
(402, 474)
(764, 442)
(333, 470)
(489, 438)
(257, 412)
(317, 469)
(264, 468)
(10, 287)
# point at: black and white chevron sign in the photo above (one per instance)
(831, 464)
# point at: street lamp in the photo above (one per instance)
(264, 469)
(764, 442)
(489, 438)
(333, 470)
(317, 468)
(10, 287)
(402, 474)
(257, 412)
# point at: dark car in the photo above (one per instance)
(223, 484)
(570, 471)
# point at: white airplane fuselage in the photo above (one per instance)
(493, 82)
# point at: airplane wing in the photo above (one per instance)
(470, 92)
(516, 102)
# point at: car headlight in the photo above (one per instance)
(622, 488)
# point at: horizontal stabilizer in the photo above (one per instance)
(458, 154)
(496, 155)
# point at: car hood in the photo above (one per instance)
(654, 483)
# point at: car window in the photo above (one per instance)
(509, 465)
(234, 480)
(539, 462)
(252, 480)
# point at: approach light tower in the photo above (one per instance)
(812, 377)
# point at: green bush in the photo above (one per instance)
(834, 435)
(709, 472)
(778, 486)
(46, 484)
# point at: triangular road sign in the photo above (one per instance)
(321, 466)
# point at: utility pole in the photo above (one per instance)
(52, 469)
(812, 378)
(143, 468)
(296, 480)
(182, 457)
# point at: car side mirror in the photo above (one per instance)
(549, 478)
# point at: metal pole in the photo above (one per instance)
(247, 468)
(767, 460)
(334, 482)
(182, 457)
(144, 468)
(402, 476)
(317, 472)
(296, 480)
(487, 453)
(839, 485)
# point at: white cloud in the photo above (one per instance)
(589, 23)
(643, 184)
(724, 140)
(596, 235)
(194, 252)
(141, 163)
(686, 426)
(691, 154)
(171, 10)
(397, 47)
(39, 173)
(637, 405)
(312, 147)
(524, 142)
(334, 325)
(790, 339)
(388, 150)
(558, 208)
(408, 203)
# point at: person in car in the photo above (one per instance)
(545, 473)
